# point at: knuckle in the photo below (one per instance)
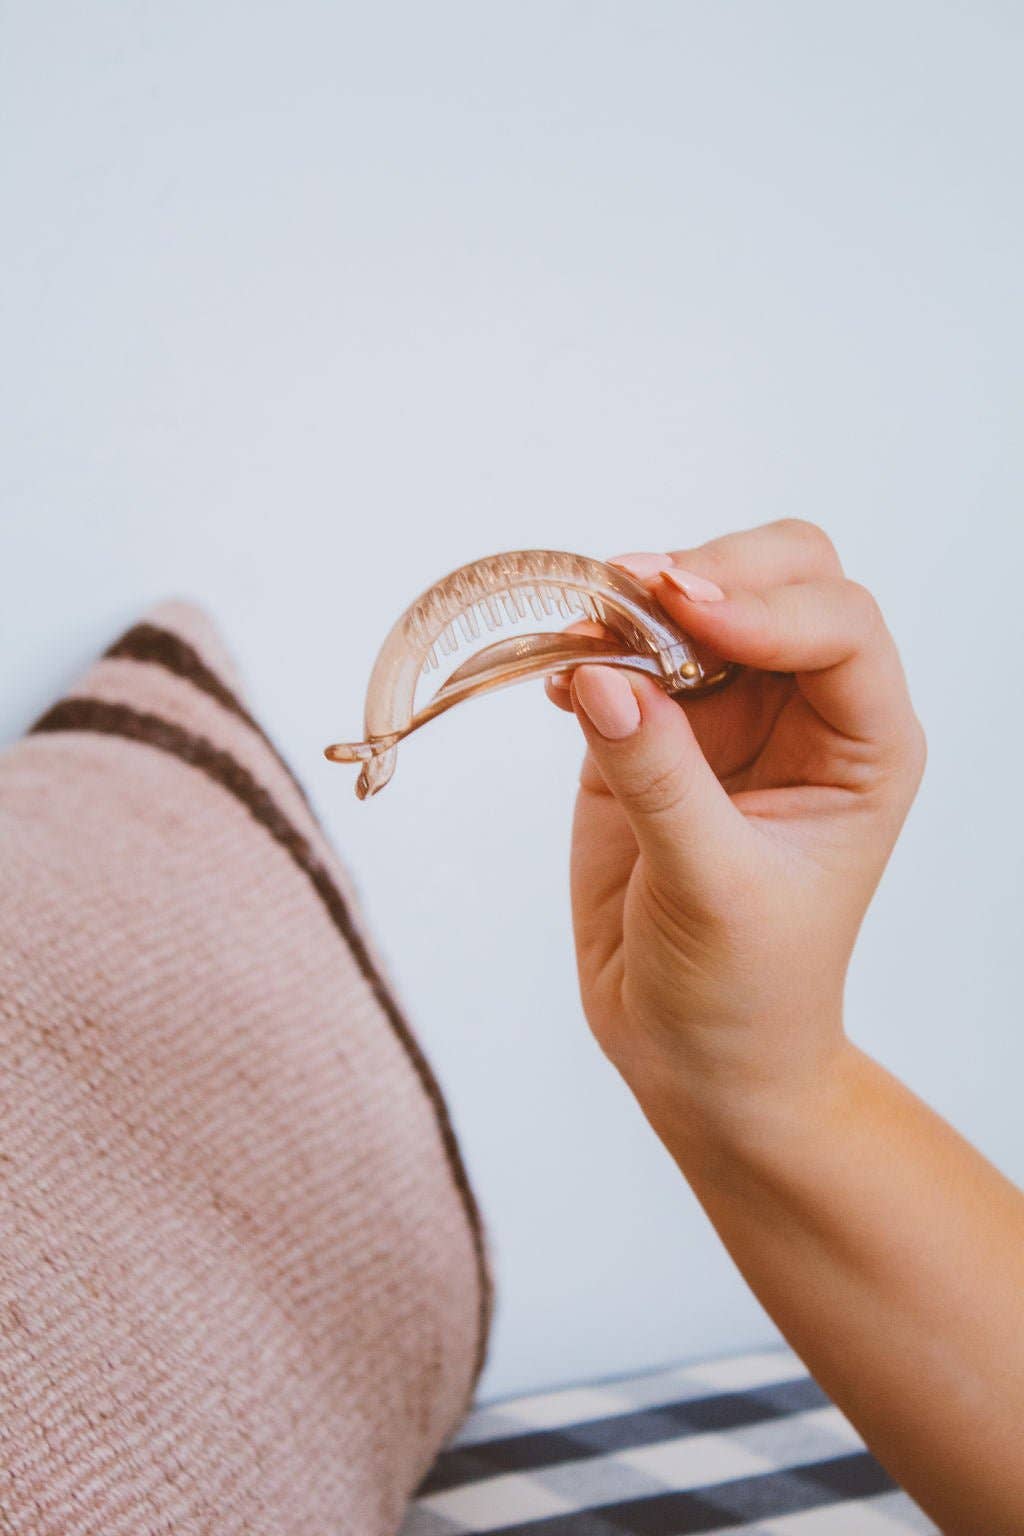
(710, 558)
(904, 756)
(661, 792)
(863, 605)
(917, 753)
(811, 535)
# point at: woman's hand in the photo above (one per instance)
(724, 854)
(723, 858)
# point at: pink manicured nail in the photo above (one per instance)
(608, 701)
(697, 588)
(643, 567)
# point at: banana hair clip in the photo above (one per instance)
(508, 588)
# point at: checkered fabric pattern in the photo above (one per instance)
(748, 1444)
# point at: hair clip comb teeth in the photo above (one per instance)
(506, 589)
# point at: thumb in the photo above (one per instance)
(685, 825)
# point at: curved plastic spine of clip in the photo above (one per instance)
(488, 592)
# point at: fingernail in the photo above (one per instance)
(642, 566)
(608, 701)
(697, 588)
(558, 680)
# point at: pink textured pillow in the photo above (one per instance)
(243, 1285)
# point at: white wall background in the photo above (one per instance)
(304, 304)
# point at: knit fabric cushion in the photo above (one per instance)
(242, 1280)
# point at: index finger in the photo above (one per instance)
(830, 633)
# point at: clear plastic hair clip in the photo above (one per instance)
(507, 588)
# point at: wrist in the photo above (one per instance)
(738, 1114)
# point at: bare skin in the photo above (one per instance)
(723, 859)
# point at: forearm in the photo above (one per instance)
(891, 1255)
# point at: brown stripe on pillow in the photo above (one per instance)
(164, 648)
(173, 664)
(152, 689)
(188, 679)
(87, 714)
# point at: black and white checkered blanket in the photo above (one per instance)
(748, 1445)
